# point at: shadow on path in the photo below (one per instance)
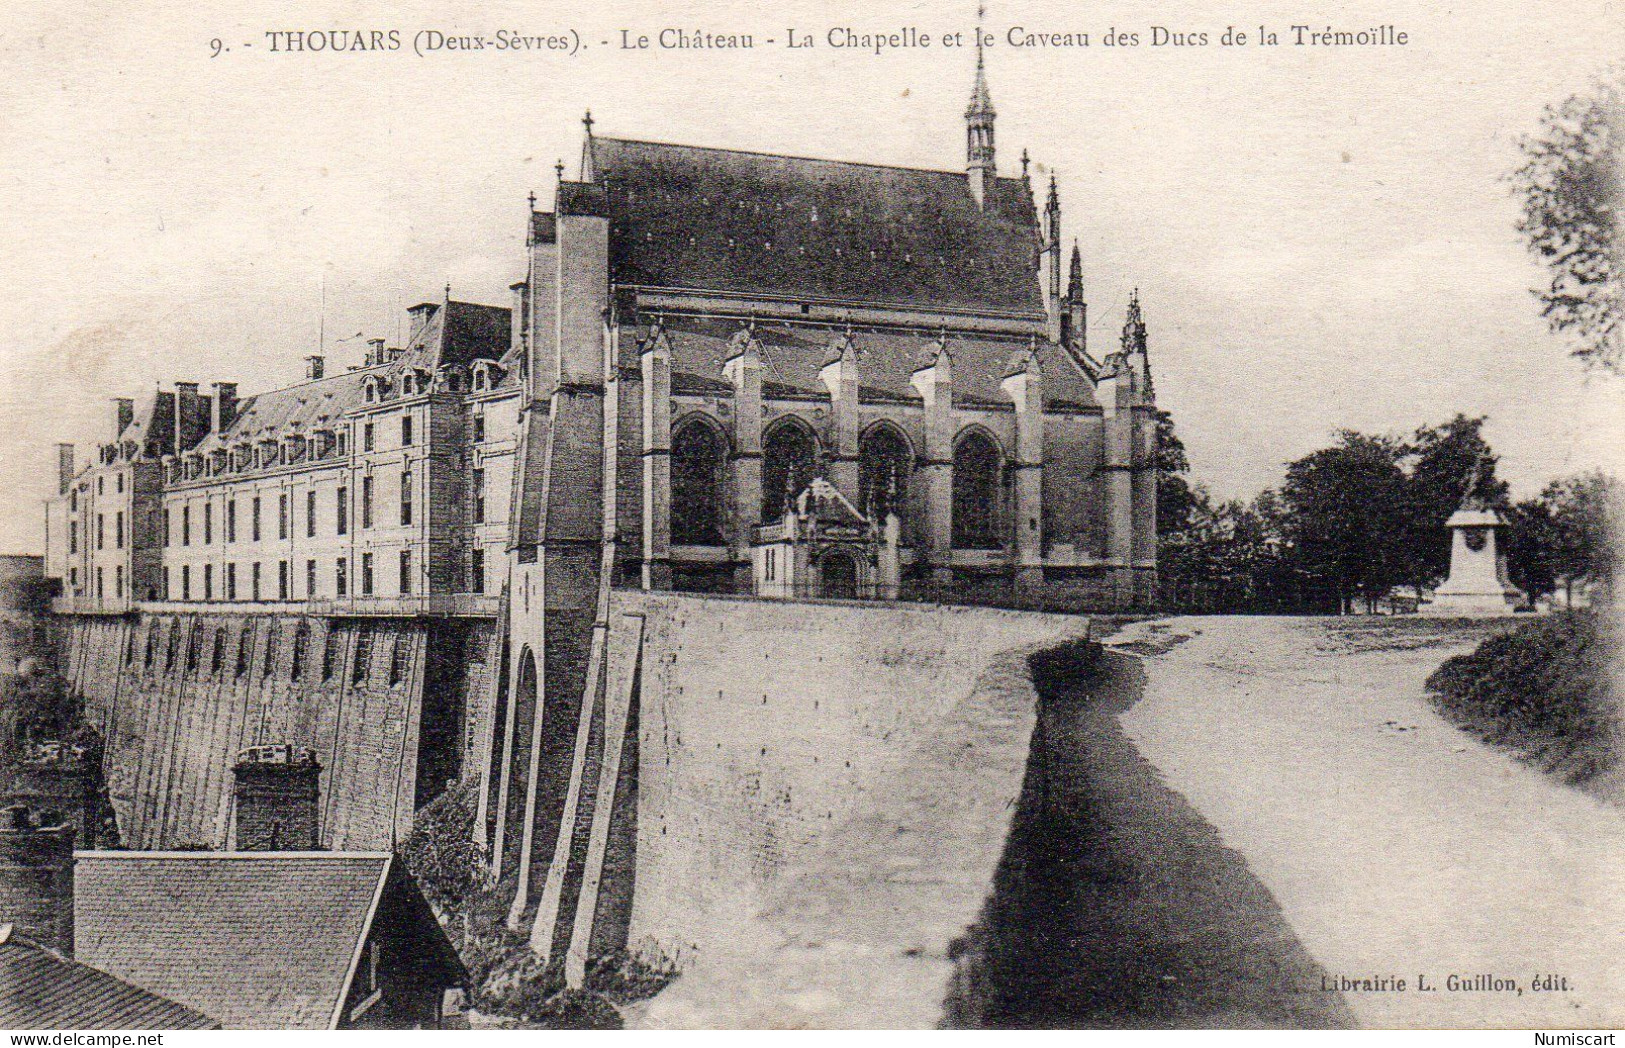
(1115, 904)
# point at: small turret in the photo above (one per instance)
(980, 165)
(1135, 355)
(1077, 310)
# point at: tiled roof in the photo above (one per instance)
(259, 940)
(792, 357)
(721, 220)
(42, 990)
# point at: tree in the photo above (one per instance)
(1570, 185)
(1347, 514)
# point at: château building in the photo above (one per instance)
(721, 371)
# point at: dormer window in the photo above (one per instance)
(369, 390)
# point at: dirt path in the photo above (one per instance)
(1395, 846)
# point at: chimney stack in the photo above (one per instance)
(123, 415)
(36, 878)
(224, 406)
(315, 366)
(191, 417)
(421, 314)
(517, 313)
(277, 793)
(64, 468)
(375, 352)
(58, 780)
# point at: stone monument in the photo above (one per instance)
(1478, 584)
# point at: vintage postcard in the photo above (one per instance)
(538, 514)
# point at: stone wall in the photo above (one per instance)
(823, 795)
(176, 696)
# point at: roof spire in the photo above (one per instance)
(1074, 283)
(1025, 160)
(980, 165)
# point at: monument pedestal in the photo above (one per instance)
(1478, 586)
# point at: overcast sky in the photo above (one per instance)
(1322, 238)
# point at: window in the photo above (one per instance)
(118, 581)
(254, 519)
(310, 514)
(310, 580)
(73, 537)
(194, 642)
(367, 437)
(341, 579)
(362, 667)
(341, 508)
(698, 455)
(99, 593)
(281, 580)
(478, 422)
(399, 661)
(884, 466)
(366, 574)
(231, 520)
(366, 501)
(166, 582)
(73, 579)
(101, 538)
(231, 582)
(406, 571)
(171, 639)
(208, 582)
(245, 649)
(477, 480)
(166, 526)
(282, 516)
(118, 483)
(152, 645)
(118, 530)
(73, 500)
(99, 488)
(976, 492)
(273, 637)
(208, 523)
(406, 497)
(789, 459)
(476, 571)
(186, 525)
(330, 653)
(186, 581)
(301, 647)
(254, 583)
(406, 431)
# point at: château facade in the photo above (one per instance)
(718, 367)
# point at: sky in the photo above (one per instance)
(1321, 237)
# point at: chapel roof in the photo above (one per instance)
(793, 227)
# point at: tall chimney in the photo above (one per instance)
(191, 417)
(315, 366)
(57, 780)
(518, 313)
(36, 878)
(224, 405)
(64, 468)
(277, 793)
(375, 351)
(123, 415)
(421, 314)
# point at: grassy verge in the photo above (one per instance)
(1545, 691)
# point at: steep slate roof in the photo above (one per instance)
(792, 357)
(260, 940)
(42, 990)
(470, 332)
(723, 220)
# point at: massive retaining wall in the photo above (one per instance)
(824, 791)
(388, 706)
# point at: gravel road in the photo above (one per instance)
(1397, 847)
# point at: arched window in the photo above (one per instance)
(399, 661)
(330, 653)
(698, 466)
(885, 464)
(789, 464)
(977, 492)
(245, 645)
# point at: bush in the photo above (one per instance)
(441, 851)
(1544, 690)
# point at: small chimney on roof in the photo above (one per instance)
(375, 352)
(123, 415)
(277, 793)
(36, 877)
(394, 353)
(315, 366)
(422, 313)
